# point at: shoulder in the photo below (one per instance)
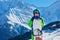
(32, 18)
(41, 18)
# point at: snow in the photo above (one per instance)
(51, 36)
(14, 19)
(19, 15)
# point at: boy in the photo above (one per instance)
(36, 23)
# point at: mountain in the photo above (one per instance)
(51, 13)
(52, 26)
(13, 12)
(5, 7)
(18, 8)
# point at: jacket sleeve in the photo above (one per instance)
(42, 22)
(30, 23)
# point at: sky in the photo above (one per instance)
(40, 3)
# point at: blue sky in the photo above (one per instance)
(40, 3)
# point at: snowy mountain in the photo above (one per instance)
(13, 8)
(51, 13)
(45, 12)
(15, 15)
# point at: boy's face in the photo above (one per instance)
(36, 14)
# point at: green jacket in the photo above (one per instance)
(31, 22)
